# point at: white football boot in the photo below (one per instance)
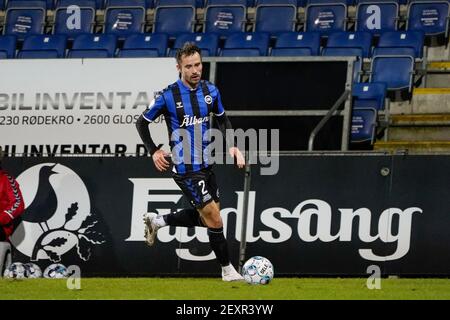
(229, 273)
(151, 228)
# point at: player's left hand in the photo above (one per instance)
(236, 153)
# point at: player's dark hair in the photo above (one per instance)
(188, 49)
(1, 156)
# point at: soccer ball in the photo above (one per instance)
(55, 271)
(32, 270)
(15, 271)
(257, 270)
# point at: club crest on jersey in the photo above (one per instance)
(208, 99)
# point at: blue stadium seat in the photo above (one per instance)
(326, 18)
(174, 20)
(362, 40)
(244, 3)
(430, 17)
(7, 47)
(297, 44)
(402, 39)
(95, 4)
(144, 45)
(164, 3)
(225, 19)
(396, 71)
(125, 17)
(345, 2)
(93, 46)
(246, 44)
(207, 42)
(369, 95)
(377, 16)
(274, 18)
(43, 47)
(23, 20)
(276, 2)
(364, 122)
(81, 3)
(86, 21)
(28, 4)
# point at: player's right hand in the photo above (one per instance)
(160, 161)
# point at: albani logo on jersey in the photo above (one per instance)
(58, 215)
(193, 120)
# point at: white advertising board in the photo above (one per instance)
(80, 106)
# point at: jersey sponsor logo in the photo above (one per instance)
(193, 120)
(208, 99)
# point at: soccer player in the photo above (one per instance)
(186, 105)
(11, 204)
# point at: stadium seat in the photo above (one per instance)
(43, 47)
(25, 18)
(93, 46)
(86, 21)
(97, 4)
(276, 2)
(81, 3)
(401, 40)
(164, 3)
(274, 18)
(396, 71)
(430, 17)
(7, 47)
(244, 3)
(377, 16)
(362, 40)
(345, 2)
(363, 125)
(225, 19)
(207, 42)
(28, 4)
(174, 20)
(326, 17)
(144, 45)
(246, 44)
(297, 44)
(343, 52)
(369, 95)
(125, 17)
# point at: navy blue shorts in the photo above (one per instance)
(199, 187)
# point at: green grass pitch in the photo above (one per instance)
(215, 289)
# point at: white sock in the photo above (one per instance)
(160, 222)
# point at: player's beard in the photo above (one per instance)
(193, 82)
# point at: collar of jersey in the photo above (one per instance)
(185, 87)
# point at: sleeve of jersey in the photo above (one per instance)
(218, 108)
(14, 200)
(155, 109)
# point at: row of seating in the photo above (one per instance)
(290, 44)
(430, 17)
(151, 4)
(392, 64)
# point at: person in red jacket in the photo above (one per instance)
(11, 203)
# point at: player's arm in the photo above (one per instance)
(155, 109)
(224, 124)
(10, 191)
